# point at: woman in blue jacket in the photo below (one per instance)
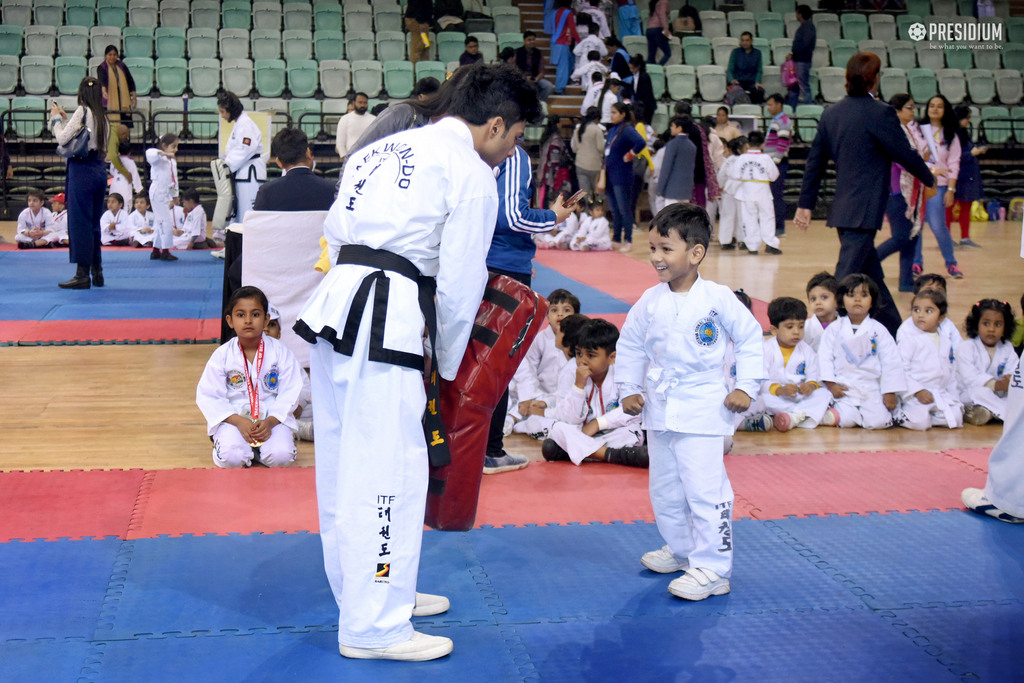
(623, 143)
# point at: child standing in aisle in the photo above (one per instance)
(986, 361)
(669, 367)
(755, 172)
(931, 398)
(163, 187)
(729, 224)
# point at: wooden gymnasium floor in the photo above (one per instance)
(99, 407)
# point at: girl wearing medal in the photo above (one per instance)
(249, 390)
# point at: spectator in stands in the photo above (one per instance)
(611, 92)
(472, 53)
(86, 182)
(620, 65)
(298, 188)
(629, 19)
(590, 9)
(804, 41)
(118, 86)
(864, 138)
(745, 68)
(562, 40)
(658, 33)
(776, 145)
(419, 15)
(507, 55)
(588, 144)
(687, 22)
(968, 185)
(352, 125)
(727, 130)
(531, 62)
(643, 89)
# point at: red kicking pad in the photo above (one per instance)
(216, 501)
(801, 484)
(52, 505)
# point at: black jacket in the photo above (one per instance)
(297, 190)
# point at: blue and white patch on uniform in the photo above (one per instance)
(270, 379)
(801, 369)
(611, 406)
(1001, 369)
(952, 356)
(706, 331)
(236, 380)
(874, 346)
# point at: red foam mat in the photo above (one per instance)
(54, 505)
(43, 331)
(974, 457)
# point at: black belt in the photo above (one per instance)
(356, 254)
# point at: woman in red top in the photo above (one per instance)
(561, 47)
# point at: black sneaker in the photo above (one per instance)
(552, 452)
(730, 246)
(772, 250)
(154, 255)
(168, 256)
(630, 456)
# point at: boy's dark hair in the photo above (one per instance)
(508, 53)
(489, 90)
(744, 299)
(736, 144)
(142, 195)
(378, 108)
(824, 279)
(289, 146)
(593, 56)
(597, 334)
(690, 221)
(570, 326)
(38, 194)
(786, 308)
(680, 122)
(804, 11)
(117, 196)
(190, 195)
(124, 147)
(936, 296)
(529, 34)
(777, 98)
(596, 77)
(1003, 307)
(471, 39)
(247, 292)
(426, 86)
(564, 296)
(930, 281)
(755, 138)
(852, 282)
(167, 139)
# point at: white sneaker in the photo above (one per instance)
(305, 430)
(428, 605)
(419, 648)
(976, 501)
(698, 584)
(217, 253)
(663, 561)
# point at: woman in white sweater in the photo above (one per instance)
(86, 182)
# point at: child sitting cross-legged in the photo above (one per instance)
(986, 361)
(590, 424)
(932, 397)
(792, 390)
(822, 290)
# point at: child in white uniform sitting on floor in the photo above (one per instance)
(249, 389)
(756, 417)
(35, 223)
(669, 366)
(304, 409)
(563, 234)
(793, 392)
(141, 222)
(932, 398)
(589, 423)
(593, 233)
(821, 298)
(59, 209)
(986, 361)
(115, 228)
(859, 360)
(192, 231)
(947, 328)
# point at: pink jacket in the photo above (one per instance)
(945, 157)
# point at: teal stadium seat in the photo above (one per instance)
(11, 40)
(398, 79)
(681, 81)
(1013, 57)
(327, 16)
(657, 74)
(996, 126)
(80, 13)
(138, 41)
(29, 116)
(171, 76)
(696, 51)
(959, 59)
(203, 117)
(68, 73)
(807, 117)
(305, 114)
(141, 69)
(303, 77)
(855, 26)
(450, 45)
(236, 14)
(841, 51)
(271, 77)
(783, 6)
(204, 76)
(9, 69)
(770, 26)
(922, 83)
(328, 45)
(512, 39)
(169, 42)
(904, 22)
(431, 69)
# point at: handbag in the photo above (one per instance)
(77, 147)
(788, 73)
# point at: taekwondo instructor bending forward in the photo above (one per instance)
(414, 208)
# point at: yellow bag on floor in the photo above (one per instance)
(978, 212)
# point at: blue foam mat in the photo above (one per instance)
(592, 301)
(46, 660)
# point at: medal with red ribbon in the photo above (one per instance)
(254, 394)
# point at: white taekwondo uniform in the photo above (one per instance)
(127, 187)
(672, 348)
(730, 224)
(138, 222)
(122, 227)
(222, 392)
(928, 363)
(163, 187)
(193, 228)
(425, 195)
(813, 330)
(947, 329)
(802, 367)
(868, 363)
(34, 221)
(1005, 484)
(755, 172)
(243, 155)
(976, 368)
(536, 379)
(594, 233)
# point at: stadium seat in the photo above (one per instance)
(202, 43)
(904, 22)
(780, 48)
(512, 40)
(141, 69)
(711, 82)
(855, 26)
(297, 16)
(235, 14)
(740, 22)
(681, 81)
(770, 26)
(358, 18)
(72, 41)
(296, 44)
(328, 45)
(367, 76)
(921, 7)
(697, 51)
(657, 74)
(450, 45)
(37, 75)
(1015, 30)
(714, 24)
(506, 20)
(44, 13)
(661, 118)
(952, 85)
(783, 6)
(68, 73)
(1013, 57)
(101, 36)
(927, 58)
(757, 6)
(996, 128)
(166, 114)
(634, 45)
(1017, 114)
(902, 55)
(204, 76)
(137, 41)
(311, 125)
(174, 14)
(271, 77)
(236, 76)
(171, 76)
(9, 68)
(991, 59)
(398, 79)
(29, 116)
(266, 15)
(959, 59)
(764, 47)
(303, 77)
(877, 47)
(431, 69)
(981, 84)
(234, 43)
(40, 41)
(721, 49)
(827, 26)
(336, 77)
(11, 40)
(387, 18)
(893, 81)
(112, 13)
(792, 24)
(1009, 86)
(771, 79)
(883, 27)
(807, 117)
(144, 13)
(265, 43)
(945, 8)
(832, 80)
(841, 51)
(922, 84)
(203, 118)
(169, 42)
(821, 56)
(205, 14)
(489, 46)
(390, 46)
(327, 16)
(359, 45)
(80, 13)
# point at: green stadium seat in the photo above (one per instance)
(80, 13)
(40, 41)
(959, 59)
(770, 26)
(757, 6)
(266, 15)
(271, 77)
(431, 69)
(1017, 113)
(398, 79)
(842, 50)
(68, 73)
(390, 46)
(101, 36)
(360, 45)
(996, 128)
(204, 76)
(883, 27)
(166, 115)
(681, 81)
(780, 48)
(657, 74)
(904, 22)
(265, 43)
(952, 85)
(72, 41)
(740, 22)
(981, 84)
(1009, 86)
(303, 77)
(696, 51)
(1013, 57)
(1015, 30)
(902, 55)
(296, 44)
(203, 118)
(945, 8)
(169, 42)
(512, 39)
(877, 47)
(827, 26)
(234, 43)
(141, 69)
(328, 45)
(335, 77)
(10, 67)
(236, 14)
(358, 18)
(11, 40)
(783, 6)
(310, 125)
(722, 48)
(236, 76)
(714, 24)
(174, 14)
(29, 116)
(921, 7)
(137, 41)
(205, 15)
(171, 76)
(37, 75)
(144, 13)
(44, 13)
(368, 76)
(892, 81)
(711, 82)
(922, 83)
(327, 16)
(855, 26)
(450, 45)
(807, 117)
(297, 16)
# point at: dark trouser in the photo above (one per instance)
(900, 241)
(86, 191)
(656, 40)
(857, 255)
(619, 201)
(778, 188)
(496, 433)
(232, 277)
(756, 94)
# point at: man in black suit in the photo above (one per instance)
(863, 137)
